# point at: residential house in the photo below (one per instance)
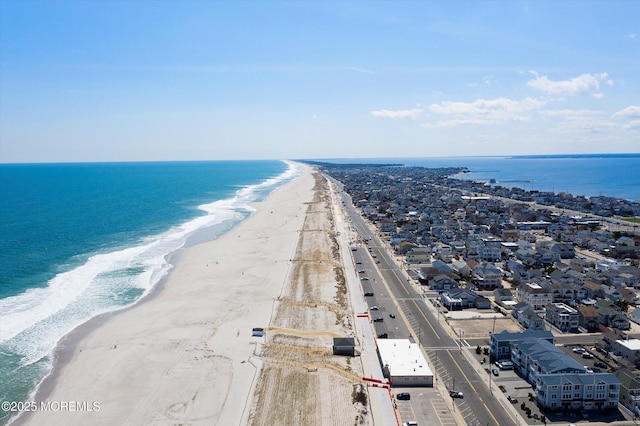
(500, 345)
(489, 249)
(458, 298)
(418, 255)
(561, 292)
(487, 276)
(578, 391)
(628, 350)
(461, 267)
(560, 382)
(635, 316)
(562, 316)
(442, 282)
(629, 390)
(504, 297)
(611, 315)
(534, 295)
(527, 317)
(594, 290)
(588, 318)
(564, 250)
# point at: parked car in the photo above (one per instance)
(374, 308)
(600, 364)
(495, 372)
(587, 355)
(578, 350)
(456, 394)
(405, 396)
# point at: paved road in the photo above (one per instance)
(394, 292)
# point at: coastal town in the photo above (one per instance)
(561, 270)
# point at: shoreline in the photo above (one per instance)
(197, 339)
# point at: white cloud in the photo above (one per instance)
(632, 125)
(457, 122)
(632, 111)
(489, 80)
(585, 83)
(632, 35)
(570, 113)
(484, 111)
(403, 113)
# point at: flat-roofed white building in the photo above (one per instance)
(403, 363)
(628, 349)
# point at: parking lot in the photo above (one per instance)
(426, 406)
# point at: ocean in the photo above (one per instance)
(80, 240)
(612, 175)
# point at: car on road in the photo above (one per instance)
(392, 315)
(495, 372)
(383, 336)
(358, 263)
(378, 319)
(405, 396)
(361, 271)
(364, 279)
(456, 394)
(374, 308)
(410, 424)
(368, 293)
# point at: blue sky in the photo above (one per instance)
(212, 80)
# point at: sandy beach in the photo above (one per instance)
(186, 355)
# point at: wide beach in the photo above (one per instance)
(186, 354)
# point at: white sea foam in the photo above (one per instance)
(34, 321)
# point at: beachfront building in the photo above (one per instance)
(403, 363)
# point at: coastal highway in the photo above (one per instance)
(478, 407)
